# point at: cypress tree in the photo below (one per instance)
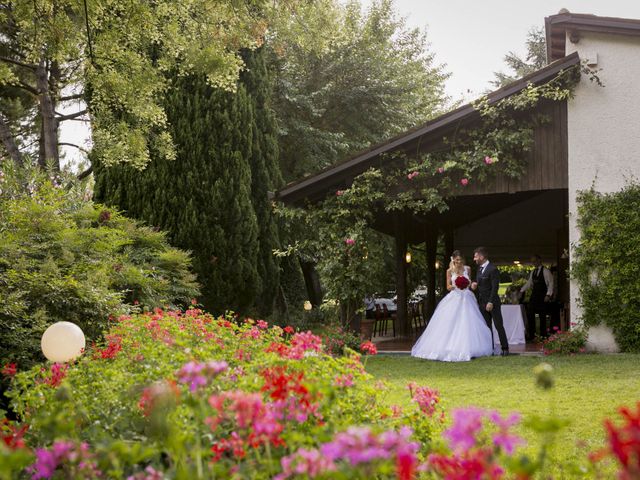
(266, 176)
(202, 199)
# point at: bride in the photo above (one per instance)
(456, 332)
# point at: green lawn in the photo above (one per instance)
(588, 389)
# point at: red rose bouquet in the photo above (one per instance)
(462, 282)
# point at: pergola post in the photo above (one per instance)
(402, 321)
(431, 245)
(448, 249)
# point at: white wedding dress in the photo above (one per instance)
(457, 331)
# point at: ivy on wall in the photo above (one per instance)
(606, 265)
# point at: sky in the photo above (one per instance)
(470, 37)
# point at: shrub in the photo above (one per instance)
(567, 342)
(192, 396)
(605, 265)
(65, 258)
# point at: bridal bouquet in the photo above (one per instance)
(462, 282)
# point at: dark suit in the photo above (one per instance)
(488, 284)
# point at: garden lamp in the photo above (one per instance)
(62, 342)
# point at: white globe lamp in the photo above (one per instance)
(62, 342)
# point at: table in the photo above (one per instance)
(513, 317)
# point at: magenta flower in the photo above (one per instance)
(200, 374)
(464, 182)
(350, 241)
(503, 438)
(262, 324)
(467, 422)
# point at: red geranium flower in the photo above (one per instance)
(462, 282)
(9, 370)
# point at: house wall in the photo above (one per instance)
(603, 124)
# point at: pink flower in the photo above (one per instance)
(368, 348)
(464, 182)
(350, 241)
(344, 381)
(488, 160)
(503, 438)
(467, 423)
(288, 329)
(302, 343)
(339, 193)
(426, 398)
(199, 374)
(441, 170)
(262, 324)
(412, 175)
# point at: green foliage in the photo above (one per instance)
(63, 258)
(213, 199)
(359, 77)
(535, 59)
(115, 55)
(604, 263)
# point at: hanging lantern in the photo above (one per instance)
(407, 257)
(307, 305)
(62, 342)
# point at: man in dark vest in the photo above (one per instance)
(541, 282)
(487, 284)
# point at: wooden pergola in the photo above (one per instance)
(513, 218)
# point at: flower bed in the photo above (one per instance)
(185, 395)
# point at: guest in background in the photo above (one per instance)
(541, 283)
(370, 306)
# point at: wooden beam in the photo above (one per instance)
(402, 319)
(431, 244)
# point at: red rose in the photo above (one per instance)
(462, 282)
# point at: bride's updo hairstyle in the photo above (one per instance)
(452, 267)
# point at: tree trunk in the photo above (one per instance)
(312, 282)
(9, 142)
(49, 137)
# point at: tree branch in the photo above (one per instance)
(18, 63)
(77, 96)
(27, 87)
(85, 174)
(83, 150)
(71, 116)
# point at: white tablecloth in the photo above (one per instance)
(513, 316)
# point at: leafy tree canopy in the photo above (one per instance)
(355, 77)
(113, 55)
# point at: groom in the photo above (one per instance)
(487, 284)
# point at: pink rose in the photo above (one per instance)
(464, 182)
(339, 193)
(350, 241)
(441, 170)
(488, 160)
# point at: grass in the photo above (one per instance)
(588, 388)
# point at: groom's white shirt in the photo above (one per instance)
(483, 266)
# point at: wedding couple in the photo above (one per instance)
(458, 330)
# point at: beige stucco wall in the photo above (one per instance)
(603, 124)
